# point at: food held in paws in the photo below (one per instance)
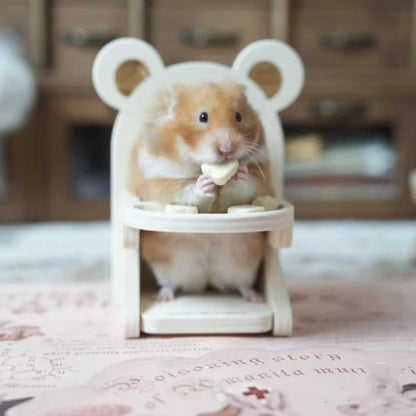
(220, 173)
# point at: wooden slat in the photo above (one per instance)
(279, 14)
(136, 18)
(37, 27)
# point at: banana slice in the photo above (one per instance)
(150, 206)
(244, 209)
(220, 173)
(182, 209)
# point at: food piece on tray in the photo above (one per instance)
(181, 209)
(244, 209)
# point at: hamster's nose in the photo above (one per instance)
(225, 151)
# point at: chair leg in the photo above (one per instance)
(280, 238)
(117, 278)
(276, 294)
(131, 275)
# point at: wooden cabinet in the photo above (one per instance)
(183, 30)
(360, 84)
(383, 126)
(79, 29)
(352, 37)
(78, 131)
(27, 18)
(23, 174)
(15, 13)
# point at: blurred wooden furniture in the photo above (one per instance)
(72, 118)
(24, 175)
(360, 60)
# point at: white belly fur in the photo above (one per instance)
(199, 260)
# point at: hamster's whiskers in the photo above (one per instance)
(257, 164)
(252, 146)
(254, 149)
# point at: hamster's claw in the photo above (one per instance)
(205, 185)
(241, 175)
(165, 294)
(250, 295)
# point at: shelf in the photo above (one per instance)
(385, 192)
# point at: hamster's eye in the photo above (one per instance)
(238, 116)
(203, 117)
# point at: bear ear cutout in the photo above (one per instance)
(120, 66)
(275, 67)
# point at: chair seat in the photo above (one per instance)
(207, 313)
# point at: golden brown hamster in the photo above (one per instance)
(187, 126)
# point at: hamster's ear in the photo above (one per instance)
(120, 66)
(288, 75)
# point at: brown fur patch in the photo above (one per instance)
(151, 189)
(152, 247)
(262, 172)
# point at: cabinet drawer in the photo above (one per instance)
(80, 29)
(366, 36)
(183, 30)
(350, 156)
(78, 148)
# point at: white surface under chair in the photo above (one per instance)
(210, 312)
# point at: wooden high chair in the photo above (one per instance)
(209, 312)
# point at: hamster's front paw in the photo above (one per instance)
(206, 186)
(241, 175)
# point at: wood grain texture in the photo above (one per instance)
(389, 28)
(136, 15)
(64, 113)
(280, 19)
(106, 20)
(37, 28)
(169, 20)
(26, 173)
(413, 35)
(399, 115)
(378, 75)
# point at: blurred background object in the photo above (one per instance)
(17, 90)
(350, 141)
(17, 86)
(412, 184)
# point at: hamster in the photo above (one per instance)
(187, 126)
